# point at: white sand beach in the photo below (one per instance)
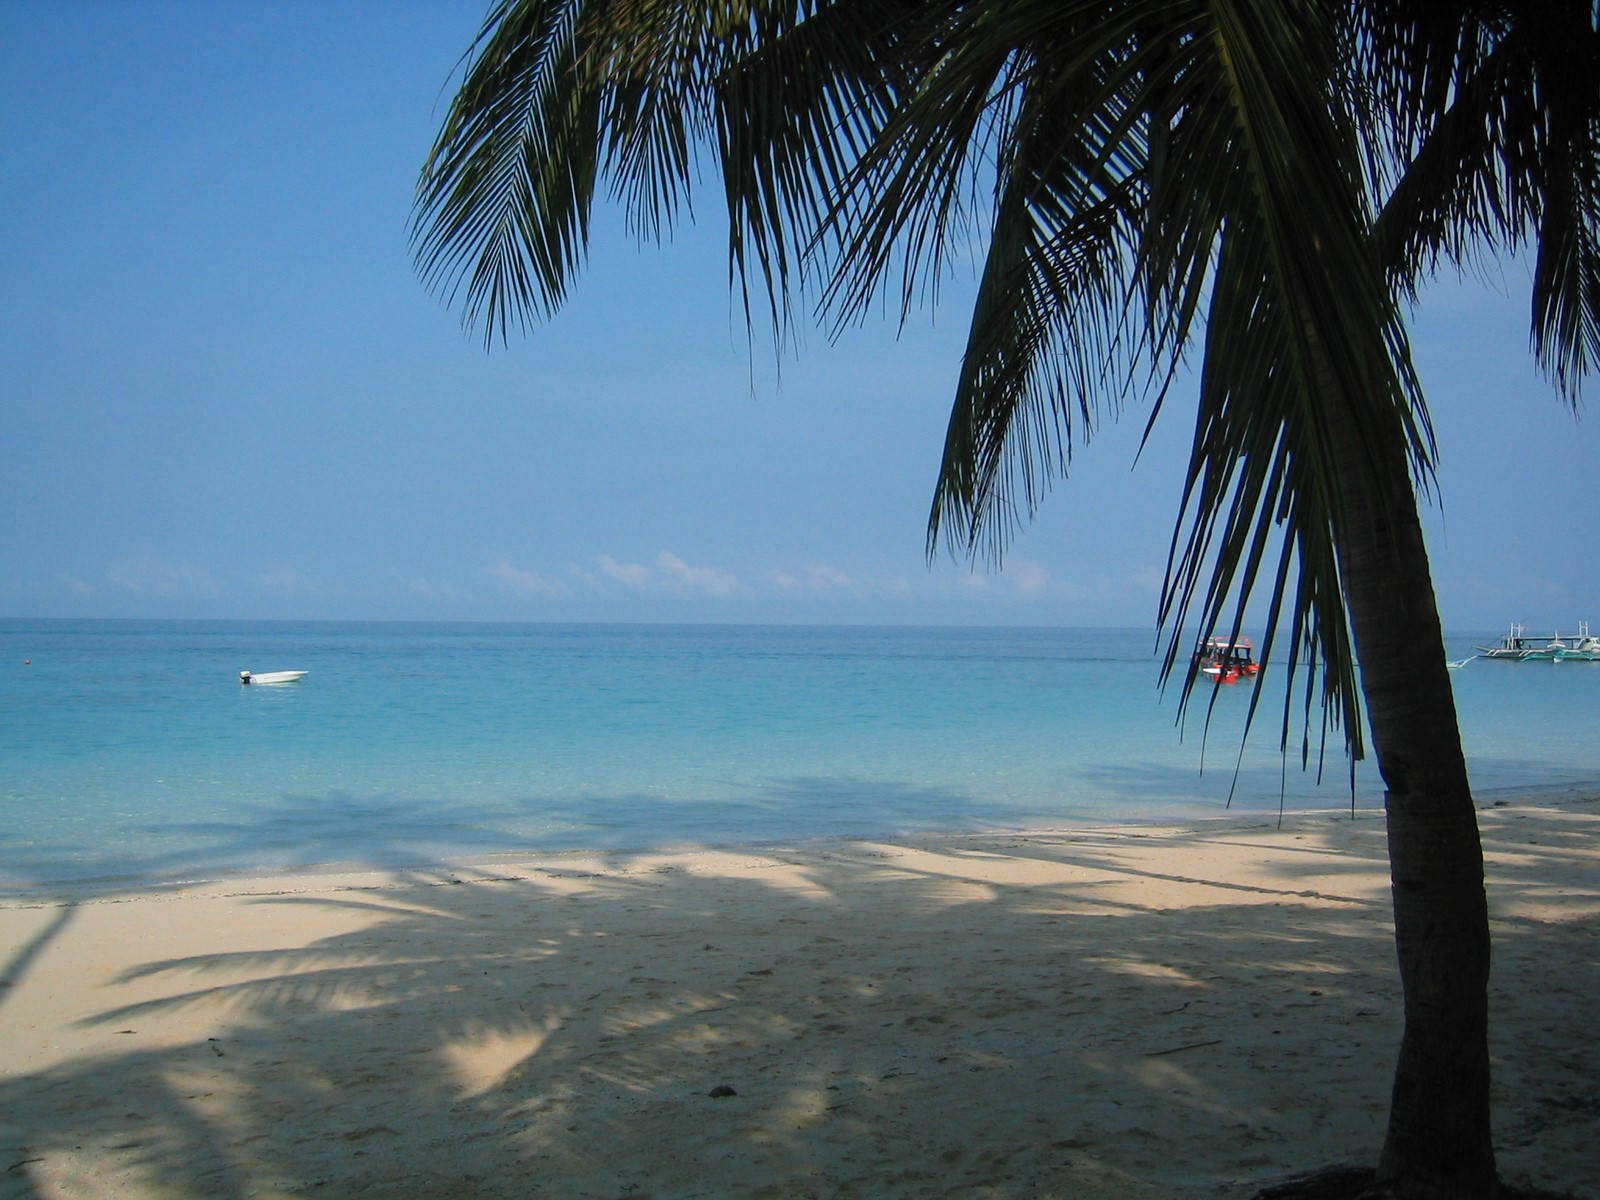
(1120, 1013)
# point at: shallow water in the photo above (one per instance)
(131, 755)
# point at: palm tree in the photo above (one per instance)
(1258, 185)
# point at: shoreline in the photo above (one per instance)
(244, 879)
(1188, 1009)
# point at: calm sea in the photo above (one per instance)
(131, 756)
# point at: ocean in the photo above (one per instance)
(131, 756)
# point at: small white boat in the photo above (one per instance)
(270, 676)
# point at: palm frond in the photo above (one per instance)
(1164, 202)
(503, 204)
(1493, 121)
(793, 114)
(1148, 182)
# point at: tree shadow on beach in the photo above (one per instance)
(858, 1019)
(386, 829)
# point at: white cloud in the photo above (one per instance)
(1027, 577)
(897, 585)
(1148, 578)
(635, 576)
(527, 582)
(707, 581)
(146, 577)
(427, 589)
(587, 577)
(288, 581)
(668, 573)
(813, 577)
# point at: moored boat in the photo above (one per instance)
(271, 676)
(1226, 660)
(1518, 646)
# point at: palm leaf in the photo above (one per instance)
(1148, 181)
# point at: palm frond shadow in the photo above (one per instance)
(559, 1029)
(387, 830)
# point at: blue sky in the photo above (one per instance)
(226, 394)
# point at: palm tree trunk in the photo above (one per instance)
(1438, 1143)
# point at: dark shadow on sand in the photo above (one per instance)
(1030, 1012)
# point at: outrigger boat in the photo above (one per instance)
(1517, 646)
(1225, 660)
(270, 676)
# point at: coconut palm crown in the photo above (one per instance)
(1253, 189)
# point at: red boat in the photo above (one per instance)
(1226, 660)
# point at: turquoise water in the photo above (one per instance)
(130, 755)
